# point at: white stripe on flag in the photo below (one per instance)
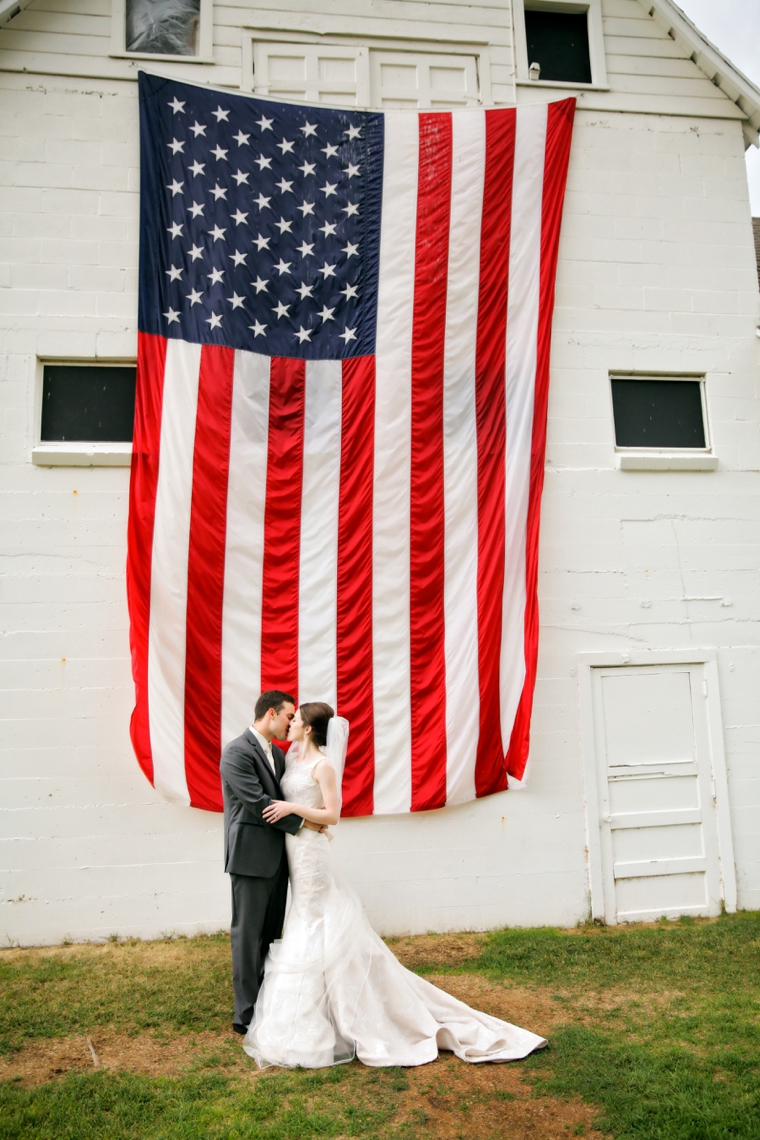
(522, 344)
(168, 580)
(460, 456)
(244, 555)
(393, 417)
(320, 500)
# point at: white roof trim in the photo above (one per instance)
(734, 85)
(11, 8)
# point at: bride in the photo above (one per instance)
(332, 989)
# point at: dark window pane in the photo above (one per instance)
(165, 27)
(559, 42)
(92, 404)
(658, 413)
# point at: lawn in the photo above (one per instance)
(654, 1033)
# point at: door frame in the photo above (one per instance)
(625, 659)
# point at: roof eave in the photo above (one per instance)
(718, 69)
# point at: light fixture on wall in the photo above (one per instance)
(535, 71)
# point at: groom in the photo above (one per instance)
(254, 850)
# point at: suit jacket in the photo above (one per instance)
(251, 845)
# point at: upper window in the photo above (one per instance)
(163, 29)
(559, 43)
(661, 422)
(91, 403)
(354, 76)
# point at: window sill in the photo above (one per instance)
(564, 85)
(141, 56)
(77, 454)
(666, 461)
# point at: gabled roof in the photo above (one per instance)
(732, 82)
(11, 8)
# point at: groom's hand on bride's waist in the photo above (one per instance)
(314, 826)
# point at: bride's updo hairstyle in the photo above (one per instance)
(317, 715)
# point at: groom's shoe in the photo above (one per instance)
(241, 1029)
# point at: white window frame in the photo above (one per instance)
(368, 44)
(595, 43)
(660, 458)
(205, 53)
(586, 661)
(76, 453)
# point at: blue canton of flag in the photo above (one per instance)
(260, 225)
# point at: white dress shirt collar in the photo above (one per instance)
(266, 745)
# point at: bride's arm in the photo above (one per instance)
(330, 813)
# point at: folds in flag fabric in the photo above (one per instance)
(345, 321)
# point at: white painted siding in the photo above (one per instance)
(656, 272)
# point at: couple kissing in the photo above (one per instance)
(317, 986)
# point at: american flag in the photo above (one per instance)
(343, 366)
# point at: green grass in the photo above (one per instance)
(658, 1027)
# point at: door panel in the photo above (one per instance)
(658, 826)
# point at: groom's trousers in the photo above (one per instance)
(258, 912)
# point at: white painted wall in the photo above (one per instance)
(656, 272)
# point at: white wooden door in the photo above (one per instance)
(657, 804)
(418, 79)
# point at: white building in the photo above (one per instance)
(643, 790)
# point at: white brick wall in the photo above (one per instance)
(656, 272)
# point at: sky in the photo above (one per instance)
(733, 26)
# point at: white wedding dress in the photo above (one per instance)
(333, 990)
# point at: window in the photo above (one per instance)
(87, 413)
(356, 76)
(162, 29)
(558, 45)
(660, 422)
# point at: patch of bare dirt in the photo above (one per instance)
(451, 1101)
(45, 1059)
(452, 950)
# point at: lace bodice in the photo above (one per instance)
(298, 784)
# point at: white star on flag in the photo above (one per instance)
(172, 316)
(176, 106)
(214, 320)
(236, 301)
(258, 329)
(303, 334)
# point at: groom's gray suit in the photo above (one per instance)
(254, 856)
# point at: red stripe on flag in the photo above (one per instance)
(146, 442)
(426, 515)
(490, 408)
(559, 129)
(354, 622)
(205, 578)
(282, 526)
